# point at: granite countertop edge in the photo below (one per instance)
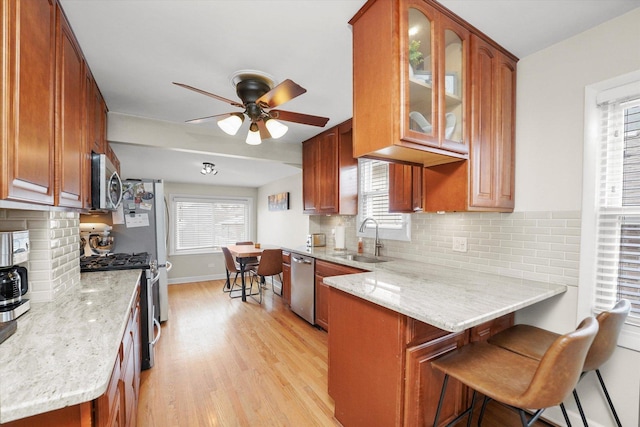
(449, 298)
(63, 351)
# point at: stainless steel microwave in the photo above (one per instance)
(106, 186)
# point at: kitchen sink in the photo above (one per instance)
(362, 258)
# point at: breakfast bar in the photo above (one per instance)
(387, 324)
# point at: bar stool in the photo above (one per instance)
(515, 380)
(532, 342)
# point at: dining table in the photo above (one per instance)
(242, 254)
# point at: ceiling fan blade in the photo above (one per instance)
(285, 91)
(305, 119)
(207, 118)
(220, 98)
(264, 132)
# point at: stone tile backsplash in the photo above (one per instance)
(542, 246)
(53, 264)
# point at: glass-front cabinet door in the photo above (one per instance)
(436, 55)
(420, 112)
(453, 86)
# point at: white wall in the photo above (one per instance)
(549, 151)
(283, 228)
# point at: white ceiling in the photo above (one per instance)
(137, 48)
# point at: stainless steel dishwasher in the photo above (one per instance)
(303, 293)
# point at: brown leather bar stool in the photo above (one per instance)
(532, 342)
(515, 380)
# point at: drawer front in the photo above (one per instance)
(324, 269)
(419, 332)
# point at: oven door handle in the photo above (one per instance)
(155, 278)
(156, 324)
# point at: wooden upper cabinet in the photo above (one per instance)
(111, 155)
(486, 181)
(98, 121)
(330, 173)
(405, 188)
(410, 65)
(70, 166)
(430, 88)
(28, 96)
(493, 132)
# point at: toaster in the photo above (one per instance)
(316, 239)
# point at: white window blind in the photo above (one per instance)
(203, 225)
(618, 207)
(373, 199)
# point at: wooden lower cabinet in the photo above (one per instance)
(286, 277)
(380, 364)
(118, 406)
(326, 269)
(422, 385)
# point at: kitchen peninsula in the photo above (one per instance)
(386, 325)
(60, 361)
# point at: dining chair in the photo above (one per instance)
(516, 380)
(270, 265)
(250, 261)
(532, 342)
(232, 267)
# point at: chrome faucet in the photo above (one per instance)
(376, 251)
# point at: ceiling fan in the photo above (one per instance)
(259, 95)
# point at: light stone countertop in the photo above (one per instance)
(63, 352)
(445, 297)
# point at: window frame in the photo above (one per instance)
(630, 334)
(175, 198)
(402, 233)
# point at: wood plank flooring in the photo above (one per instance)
(221, 362)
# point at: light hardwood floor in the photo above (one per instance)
(221, 362)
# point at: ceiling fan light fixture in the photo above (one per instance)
(253, 137)
(231, 124)
(276, 128)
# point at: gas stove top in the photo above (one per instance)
(110, 262)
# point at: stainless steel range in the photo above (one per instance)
(149, 294)
(115, 262)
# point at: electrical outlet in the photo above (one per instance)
(460, 244)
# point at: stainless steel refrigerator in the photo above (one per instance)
(140, 225)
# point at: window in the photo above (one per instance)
(374, 203)
(205, 224)
(610, 260)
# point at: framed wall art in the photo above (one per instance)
(279, 202)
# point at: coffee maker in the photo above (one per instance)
(14, 283)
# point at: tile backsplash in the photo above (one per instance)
(53, 264)
(542, 246)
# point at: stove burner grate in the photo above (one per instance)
(118, 261)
